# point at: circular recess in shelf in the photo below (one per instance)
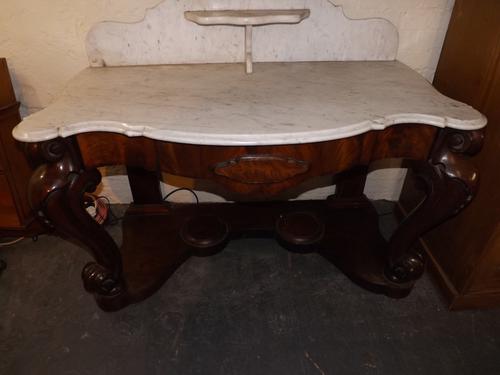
(298, 231)
(205, 234)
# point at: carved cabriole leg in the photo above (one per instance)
(56, 191)
(450, 181)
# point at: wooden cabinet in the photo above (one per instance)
(16, 217)
(465, 252)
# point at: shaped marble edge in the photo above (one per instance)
(217, 139)
(164, 36)
(131, 101)
(247, 17)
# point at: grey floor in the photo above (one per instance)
(252, 309)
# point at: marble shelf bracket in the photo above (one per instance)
(248, 49)
(247, 18)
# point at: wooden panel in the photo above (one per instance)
(459, 244)
(470, 51)
(487, 275)
(412, 141)
(8, 212)
(17, 168)
(465, 251)
(100, 149)
(16, 217)
(485, 213)
(7, 96)
(2, 161)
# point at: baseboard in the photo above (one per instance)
(490, 300)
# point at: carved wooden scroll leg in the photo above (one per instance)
(450, 181)
(56, 191)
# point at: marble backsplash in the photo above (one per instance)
(164, 36)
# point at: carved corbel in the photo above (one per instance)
(450, 180)
(451, 154)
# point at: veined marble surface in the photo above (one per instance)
(164, 36)
(246, 17)
(217, 104)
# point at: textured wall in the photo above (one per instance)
(44, 42)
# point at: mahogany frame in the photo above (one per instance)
(158, 236)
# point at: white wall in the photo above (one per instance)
(43, 42)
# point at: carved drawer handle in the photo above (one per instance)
(261, 169)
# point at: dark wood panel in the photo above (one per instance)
(100, 149)
(465, 251)
(470, 52)
(479, 84)
(7, 96)
(8, 212)
(404, 141)
(14, 166)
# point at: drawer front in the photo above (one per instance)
(258, 169)
(261, 169)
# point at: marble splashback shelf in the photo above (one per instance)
(165, 36)
(247, 18)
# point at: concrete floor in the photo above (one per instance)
(252, 309)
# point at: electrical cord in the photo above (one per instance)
(3, 244)
(181, 189)
(112, 218)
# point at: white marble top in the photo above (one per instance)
(216, 104)
(246, 17)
